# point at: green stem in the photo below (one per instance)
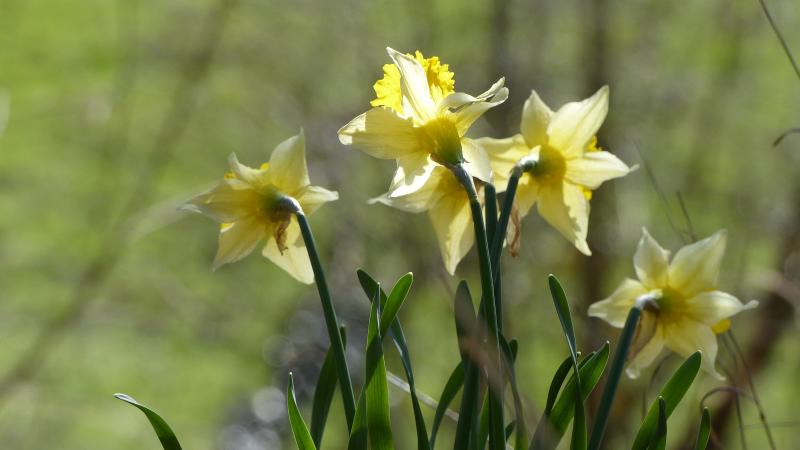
(610, 390)
(497, 428)
(331, 321)
(524, 165)
(490, 200)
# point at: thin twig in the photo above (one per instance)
(761, 414)
(656, 187)
(779, 35)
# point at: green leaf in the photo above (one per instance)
(466, 324)
(301, 435)
(160, 426)
(323, 393)
(376, 388)
(591, 370)
(370, 286)
(510, 349)
(543, 436)
(564, 316)
(396, 298)
(705, 431)
(451, 388)
(672, 393)
(612, 381)
(578, 441)
(358, 433)
(659, 440)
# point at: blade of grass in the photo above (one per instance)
(165, 434)
(671, 395)
(376, 388)
(395, 330)
(451, 388)
(614, 374)
(562, 310)
(659, 440)
(705, 431)
(466, 324)
(324, 391)
(302, 437)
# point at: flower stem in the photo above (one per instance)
(496, 429)
(331, 321)
(610, 389)
(524, 165)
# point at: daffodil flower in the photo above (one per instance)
(566, 163)
(421, 123)
(255, 205)
(684, 311)
(447, 205)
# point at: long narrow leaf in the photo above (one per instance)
(358, 433)
(705, 431)
(395, 300)
(451, 388)
(544, 431)
(302, 437)
(467, 426)
(659, 439)
(672, 393)
(510, 349)
(370, 286)
(376, 388)
(323, 393)
(562, 309)
(160, 426)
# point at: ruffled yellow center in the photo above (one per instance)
(388, 91)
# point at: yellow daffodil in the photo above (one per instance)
(253, 205)
(420, 122)
(684, 309)
(567, 167)
(447, 204)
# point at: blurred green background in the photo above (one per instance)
(113, 112)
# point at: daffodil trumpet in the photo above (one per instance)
(488, 304)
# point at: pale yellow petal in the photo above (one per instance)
(440, 182)
(417, 99)
(287, 165)
(230, 200)
(312, 197)
(503, 155)
(594, 168)
(645, 357)
(413, 171)
(381, 133)
(565, 207)
(254, 177)
(715, 306)
(476, 160)
(695, 267)
(616, 307)
(469, 108)
(574, 124)
(535, 120)
(527, 194)
(452, 222)
(238, 239)
(651, 262)
(688, 336)
(294, 259)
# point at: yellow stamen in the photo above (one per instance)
(721, 326)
